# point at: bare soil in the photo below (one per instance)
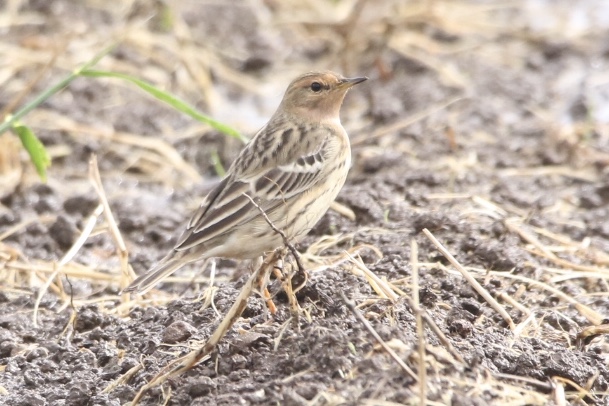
(486, 123)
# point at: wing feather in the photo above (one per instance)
(228, 205)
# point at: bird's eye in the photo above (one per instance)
(316, 87)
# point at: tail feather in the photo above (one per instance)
(160, 271)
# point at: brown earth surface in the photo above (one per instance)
(484, 122)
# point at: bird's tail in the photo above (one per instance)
(160, 271)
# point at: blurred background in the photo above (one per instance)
(481, 69)
(486, 122)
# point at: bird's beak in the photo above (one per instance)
(348, 82)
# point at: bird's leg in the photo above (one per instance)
(288, 246)
(278, 270)
(286, 282)
(262, 286)
(285, 271)
(301, 276)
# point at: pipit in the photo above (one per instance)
(287, 175)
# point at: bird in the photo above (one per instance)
(288, 174)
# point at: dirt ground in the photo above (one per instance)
(484, 122)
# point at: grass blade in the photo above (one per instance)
(10, 120)
(173, 101)
(33, 146)
(217, 162)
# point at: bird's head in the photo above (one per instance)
(317, 95)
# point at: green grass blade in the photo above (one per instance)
(10, 121)
(33, 146)
(217, 162)
(173, 101)
(96, 58)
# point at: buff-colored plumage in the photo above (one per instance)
(293, 169)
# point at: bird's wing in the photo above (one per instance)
(230, 203)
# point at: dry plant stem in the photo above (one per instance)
(286, 242)
(188, 50)
(470, 279)
(534, 382)
(385, 290)
(530, 319)
(68, 270)
(587, 334)
(11, 120)
(167, 397)
(123, 378)
(343, 210)
(166, 153)
(582, 392)
(282, 329)
(26, 90)
(84, 235)
(42, 291)
(95, 179)
(590, 383)
(382, 287)
(549, 254)
(351, 305)
(592, 315)
(210, 291)
(512, 302)
(68, 331)
(558, 393)
(492, 207)
(414, 262)
(188, 361)
(434, 327)
(558, 170)
(47, 219)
